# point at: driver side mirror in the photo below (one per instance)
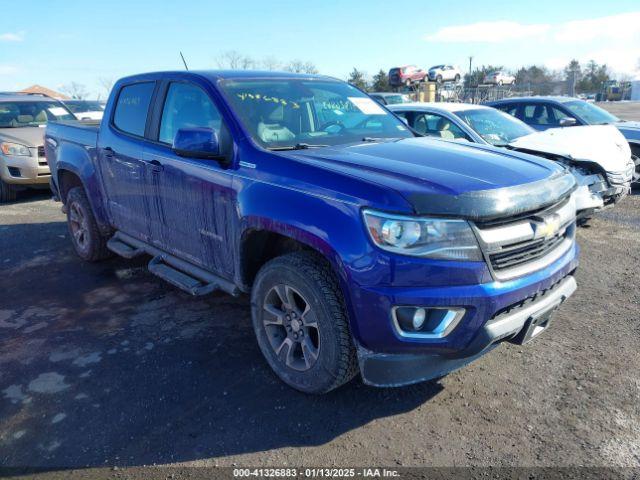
(568, 122)
(197, 143)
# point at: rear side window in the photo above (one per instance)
(132, 106)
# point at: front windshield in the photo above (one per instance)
(590, 113)
(281, 113)
(31, 114)
(494, 126)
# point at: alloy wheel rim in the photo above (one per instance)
(79, 226)
(292, 328)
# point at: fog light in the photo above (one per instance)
(424, 322)
(418, 318)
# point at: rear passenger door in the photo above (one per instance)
(122, 167)
(192, 213)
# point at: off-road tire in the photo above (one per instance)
(7, 193)
(313, 278)
(94, 244)
(457, 78)
(439, 79)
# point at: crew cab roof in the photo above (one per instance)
(215, 75)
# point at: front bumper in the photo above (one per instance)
(387, 370)
(23, 170)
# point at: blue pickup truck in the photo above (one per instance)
(363, 247)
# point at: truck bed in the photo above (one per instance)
(74, 131)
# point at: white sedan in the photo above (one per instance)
(597, 155)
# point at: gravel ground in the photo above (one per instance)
(103, 365)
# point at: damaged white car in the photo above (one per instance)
(597, 155)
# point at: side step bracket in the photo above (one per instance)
(184, 281)
(123, 249)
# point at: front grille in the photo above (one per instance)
(528, 242)
(526, 252)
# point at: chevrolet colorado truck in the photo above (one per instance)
(362, 247)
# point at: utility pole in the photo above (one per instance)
(470, 61)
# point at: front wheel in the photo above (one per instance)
(301, 323)
(457, 79)
(88, 242)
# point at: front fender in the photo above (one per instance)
(332, 228)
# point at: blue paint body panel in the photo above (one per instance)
(201, 211)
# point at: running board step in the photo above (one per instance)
(184, 281)
(123, 249)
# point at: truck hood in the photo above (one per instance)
(447, 178)
(27, 136)
(600, 144)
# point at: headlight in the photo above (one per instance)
(14, 149)
(438, 238)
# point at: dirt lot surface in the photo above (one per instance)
(104, 365)
(623, 110)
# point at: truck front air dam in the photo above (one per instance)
(520, 323)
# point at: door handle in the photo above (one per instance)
(155, 166)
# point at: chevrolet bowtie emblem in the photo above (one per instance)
(549, 227)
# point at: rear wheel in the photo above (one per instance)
(457, 79)
(7, 193)
(439, 79)
(88, 242)
(301, 323)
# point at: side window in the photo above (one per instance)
(536, 114)
(437, 126)
(132, 106)
(187, 105)
(558, 115)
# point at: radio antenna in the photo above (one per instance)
(183, 61)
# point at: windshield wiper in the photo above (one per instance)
(297, 146)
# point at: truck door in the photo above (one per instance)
(124, 173)
(193, 216)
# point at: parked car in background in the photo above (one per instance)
(390, 98)
(22, 158)
(499, 78)
(86, 109)
(363, 247)
(406, 76)
(542, 113)
(444, 73)
(603, 169)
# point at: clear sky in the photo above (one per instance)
(54, 42)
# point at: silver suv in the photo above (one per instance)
(22, 160)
